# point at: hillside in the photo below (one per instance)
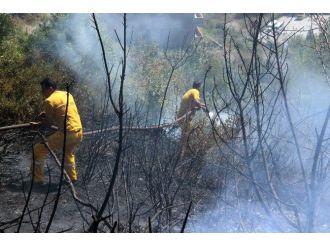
(29, 22)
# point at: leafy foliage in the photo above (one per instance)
(25, 59)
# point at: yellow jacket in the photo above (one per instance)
(55, 106)
(188, 101)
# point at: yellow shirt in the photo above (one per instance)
(55, 106)
(187, 101)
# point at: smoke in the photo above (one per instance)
(77, 40)
(236, 207)
(309, 98)
(76, 44)
(157, 28)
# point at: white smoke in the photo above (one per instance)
(76, 44)
(236, 208)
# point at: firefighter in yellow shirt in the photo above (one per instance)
(55, 107)
(189, 103)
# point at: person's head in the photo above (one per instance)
(197, 84)
(48, 86)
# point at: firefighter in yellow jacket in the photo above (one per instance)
(55, 108)
(189, 103)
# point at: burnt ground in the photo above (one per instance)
(15, 181)
(143, 188)
(133, 189)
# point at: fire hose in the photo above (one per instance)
(72, 187)
(150, 127)
(115, 128)
(20, 126)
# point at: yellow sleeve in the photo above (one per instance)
(195, 94)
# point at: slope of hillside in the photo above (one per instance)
(29, 21)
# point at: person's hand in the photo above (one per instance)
(202, 107)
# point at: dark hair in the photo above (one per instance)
(47, 83)
(196, 84)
